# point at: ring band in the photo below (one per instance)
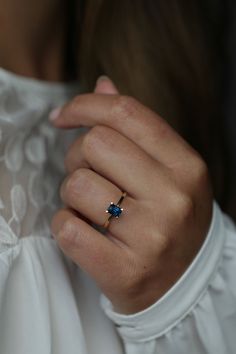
(114, 210)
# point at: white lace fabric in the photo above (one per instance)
(31, 155)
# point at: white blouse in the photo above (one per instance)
(48, 305)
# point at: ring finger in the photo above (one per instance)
(90, 194)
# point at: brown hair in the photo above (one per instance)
(167, 55)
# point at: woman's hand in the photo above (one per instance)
(167, 210)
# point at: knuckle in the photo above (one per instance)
(67, 233)
(93, 139)
(74, 103)
(71, 107)
(124, 106)
(186, 205)
(183, 207)
(76, 182)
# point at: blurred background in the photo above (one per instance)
(179, 58)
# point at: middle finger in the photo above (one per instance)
(118, 159)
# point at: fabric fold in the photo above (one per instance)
(178, 302)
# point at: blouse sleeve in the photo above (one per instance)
(198, 314)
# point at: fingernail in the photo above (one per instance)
(54, 114)
(102, 78)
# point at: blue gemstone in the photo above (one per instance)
(114, 210)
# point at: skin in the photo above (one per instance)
(34, 30)
(167, 211)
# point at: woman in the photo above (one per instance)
(160, 277)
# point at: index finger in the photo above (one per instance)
(130, 118)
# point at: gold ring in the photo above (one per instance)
(115, 210)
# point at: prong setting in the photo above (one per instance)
(114, 210)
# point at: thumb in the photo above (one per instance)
(105, 85)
